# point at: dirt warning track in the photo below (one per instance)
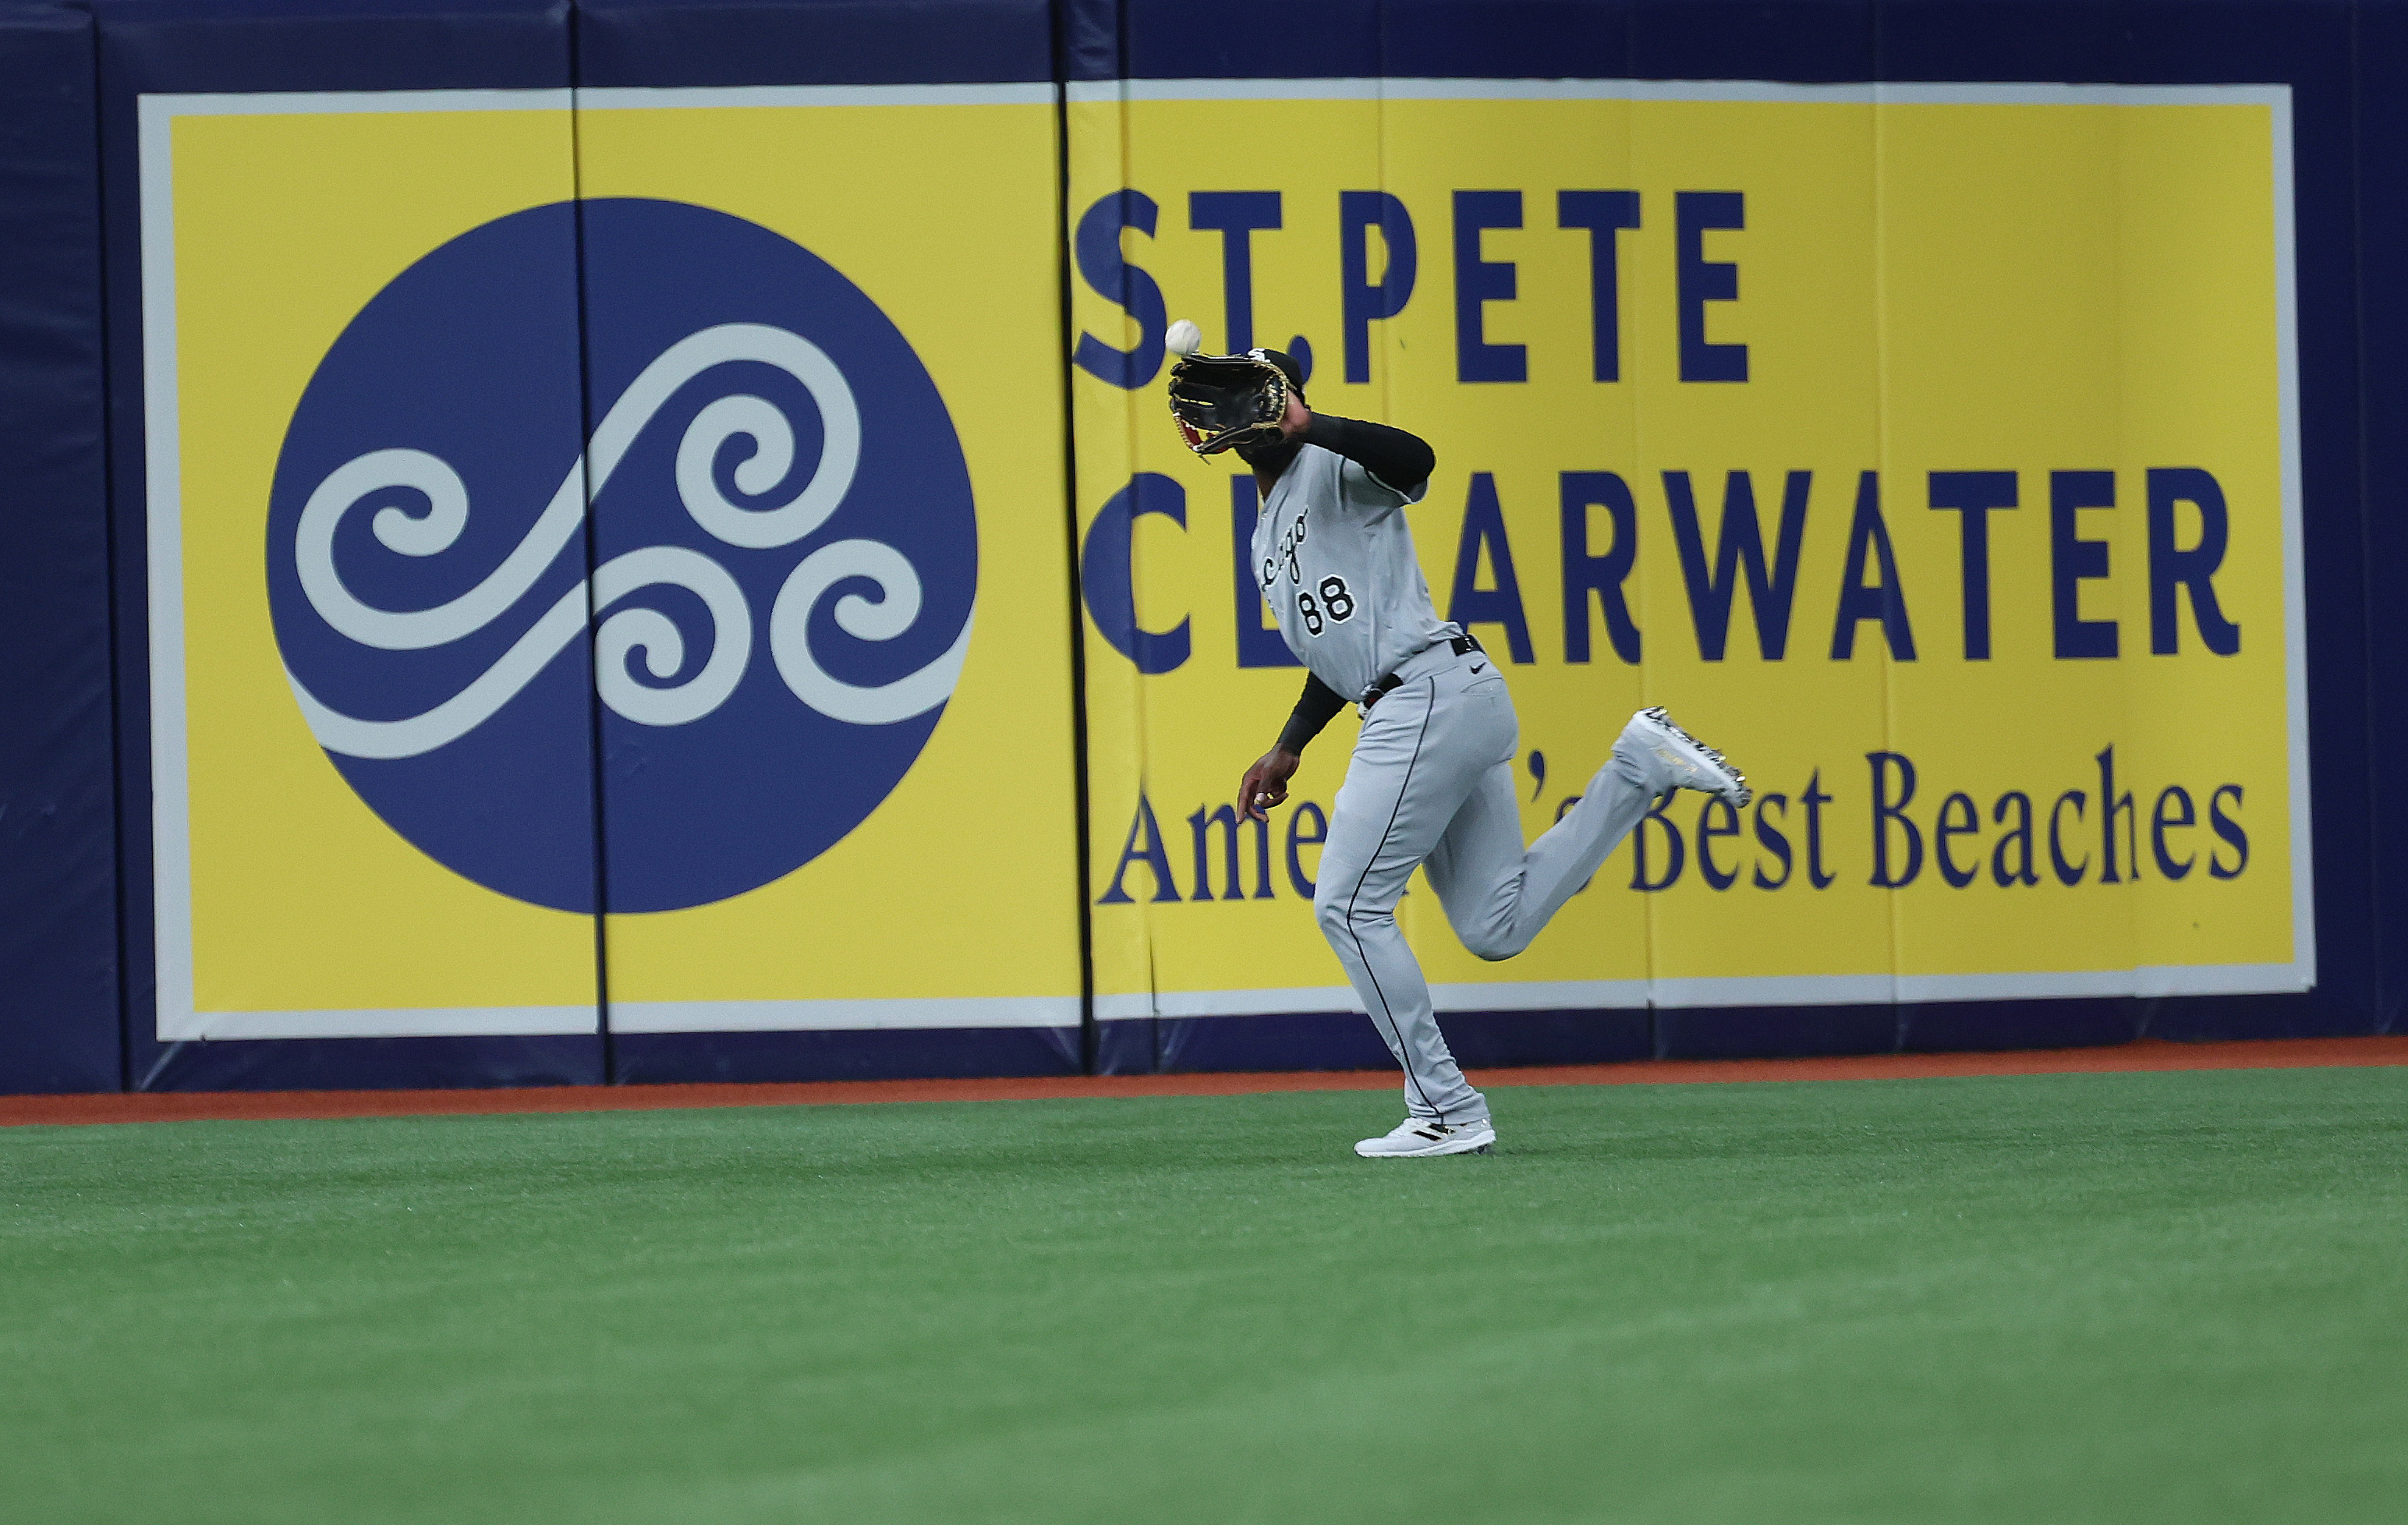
(188, 1106)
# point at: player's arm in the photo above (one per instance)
(1398, 460)
(1264, 785)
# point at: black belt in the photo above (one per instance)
(1461, 644)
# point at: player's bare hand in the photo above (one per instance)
(1298, 417)
(1265, 786)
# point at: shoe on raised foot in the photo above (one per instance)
(1692, 763)
(1417, 1136)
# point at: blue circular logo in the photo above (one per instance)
(716, 523)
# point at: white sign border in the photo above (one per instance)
(2297, 976)
(177, 1019)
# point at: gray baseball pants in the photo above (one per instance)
(1432, 781)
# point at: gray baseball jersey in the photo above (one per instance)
(1431, 780)
(1335, 558)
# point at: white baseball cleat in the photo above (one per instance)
(1417, 1136)
(1692, 763)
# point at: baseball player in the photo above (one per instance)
(1431, 780)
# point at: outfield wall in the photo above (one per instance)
(639, 542)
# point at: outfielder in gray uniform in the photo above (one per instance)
(1431, 780)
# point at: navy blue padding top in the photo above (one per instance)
(1792, 41)
(329, 45)
(2113, 41)
(1809, 41)
(1233, 40)
(226, 10)
(813, 42)
(1506, 40)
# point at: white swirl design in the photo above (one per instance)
(656, 636)
(790, 644)
(619, 637)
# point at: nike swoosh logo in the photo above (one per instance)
(1479, 666)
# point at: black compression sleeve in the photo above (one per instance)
(1313, 710)
(1400, 461)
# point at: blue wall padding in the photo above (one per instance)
(75, 870)
(2381, 167)
(58, 871)
(1345, 1041)
(895, 1054)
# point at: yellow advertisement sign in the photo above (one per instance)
(1930, 451)
(556, 520)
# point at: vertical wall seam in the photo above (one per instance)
(119, 987)
(1082, 800)
(585, 487)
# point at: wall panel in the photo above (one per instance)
(861, 861)
(1938, 280)
(57, 873)
(263, 824)
(356, 790)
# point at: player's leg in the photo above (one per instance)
(1497, 895)
(1413, 764)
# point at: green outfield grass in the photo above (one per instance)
(2082, 1298)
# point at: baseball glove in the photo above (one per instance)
(1221, 402)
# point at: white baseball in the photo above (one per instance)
(1184, 338)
